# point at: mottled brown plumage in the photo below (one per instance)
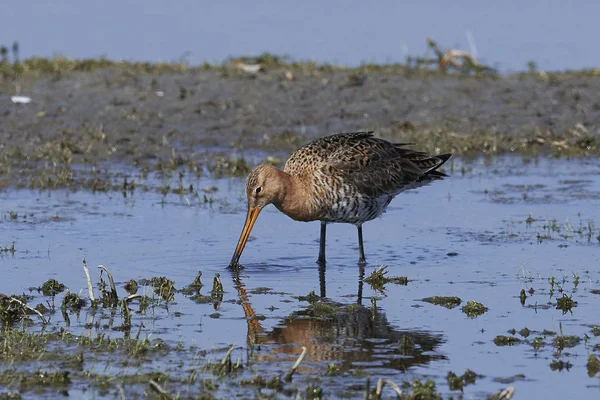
(348, 177)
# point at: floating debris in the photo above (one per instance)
(20, 99)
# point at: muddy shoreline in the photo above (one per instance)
(82, 129)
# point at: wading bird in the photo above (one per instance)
(347, 177)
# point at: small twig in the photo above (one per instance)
(227, 355)
(507, 393)
(379, 388)
(126, 314)
(89, 281)
(395, 387)
(122, 392)
(137, 334)
(159, 389)
(132, 297)
(288, 377)
(113, 288)
(14, 300)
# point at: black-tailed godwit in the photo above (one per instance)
(348, 177)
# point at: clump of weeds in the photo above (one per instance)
(311, 297)
(8, 249)
(333, 369)
(193, 290)
(223, 167)
(593, 365)
(417, 390)
(131, 286)
(502, 340)
(163, 287)
(537, 343)
(562, 342)
(456, 382)
(73, 302)
(14, 309)
(474, 309)
(195, 286)
(378, 279)
(449, 302)
(51, 288)
(565, 303)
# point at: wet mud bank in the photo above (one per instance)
(91, 126)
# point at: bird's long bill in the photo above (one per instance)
(250, 220)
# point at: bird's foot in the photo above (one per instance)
(235, 266)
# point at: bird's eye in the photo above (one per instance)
(258, 190)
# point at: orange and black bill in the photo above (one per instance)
(250, 220)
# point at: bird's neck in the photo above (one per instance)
(295, 200)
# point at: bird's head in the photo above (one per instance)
(264, 186)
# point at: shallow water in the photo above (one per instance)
(493, 228)
(192, 31)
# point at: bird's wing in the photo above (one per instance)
(378, 167)
(312, 156)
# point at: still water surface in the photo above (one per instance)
(466, 236)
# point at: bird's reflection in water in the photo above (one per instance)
(351, 335)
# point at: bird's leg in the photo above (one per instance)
(321, 259)
(322, 283)
(361, 250)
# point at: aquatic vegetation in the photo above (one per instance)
(562, 342)
(459, 382)
(474, 309)
(237, 167)
(502, 340)
(51, 287)
(565, 303)
(449, 302)
(163, 287)
(378, 279)
(593, 365)
(8, 249)
(417, 390)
